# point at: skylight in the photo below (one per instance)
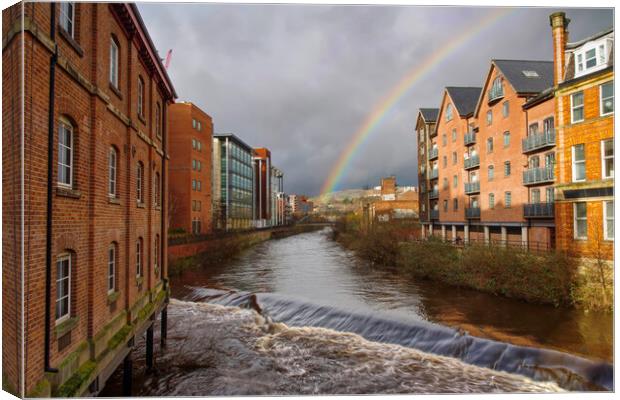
(530, 74)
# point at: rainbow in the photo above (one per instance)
(382, 108)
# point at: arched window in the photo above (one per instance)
(139, 182)
(63, 287)
(112, 172)
(449, 112)
(156, 189)
(139, 251)
(140, 96)
(112, 268)
(65, 153)
(114, 62)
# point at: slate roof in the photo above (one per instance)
(464, 98)
(573, 45)
(429, 114)
(513, 72)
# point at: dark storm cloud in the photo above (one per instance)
(301, 79)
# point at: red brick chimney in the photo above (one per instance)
(559, 24)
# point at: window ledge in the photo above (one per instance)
(114, 200)
(140, 204)
(116, 91)
(68, 192)
(158, 208)
(113, 296)
(66, 326)
(65, 35)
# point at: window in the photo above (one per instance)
(139, 180)
(533, 129)
(591, 58)
(112, 161)
(445, 161)
(490, 172)
(579, 62)
(454, 158)
(608, 219)
(199, 125)
(67, 17)
(445, 183)
(489, 117)
(193, 164)
(449, 112)
(580, 220)
(139, 257)
(489, 145)
(550, 195)
(535, 196)
(576, 107)
(158, 120)
(497, 90)
(194, 144)
(548, 125)
(112, 268)
(156, 255)
(198, 185)
(454, 135)
(507, 199)
(445, 205)
(455, 180)
(140, 96)
(455, 204)
(607, 98)
(157, 190)
(194, 123)
(505, 109)
(550, 159)
(534, 162)
(579, 163)
(607, 155)
(193, 184)
(444, 139)
(507, 168)
(193, 205)
(506, 139)
(199, 145)
(65, 153)
(63, 287)
(113, 63)
(491, 201)
(199, 165)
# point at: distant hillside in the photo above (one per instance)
(342, 195)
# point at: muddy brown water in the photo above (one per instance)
(302, 315)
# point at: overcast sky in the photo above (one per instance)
(301, 79)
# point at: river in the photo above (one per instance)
(303, 315)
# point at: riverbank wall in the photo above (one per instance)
(190, 251)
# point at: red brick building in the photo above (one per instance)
(190, 149)
(92, 249)
(262, 186)
(584, 88)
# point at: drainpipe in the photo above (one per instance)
(164, 233)
(50, 173)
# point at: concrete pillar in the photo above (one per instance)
(524, 241)
(127, 375)
(430, 230)
(487, 235)
(454, 233)
(504, 236)
(149, 348)
(164, 326)
(443, 232)
(466, 238)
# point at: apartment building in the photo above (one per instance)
(584, 89)
(233, 183)
(262, 187)
(94, 193)
(190, 147)
(425, 130)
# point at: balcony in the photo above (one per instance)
(433, 194)
(433, 153)
(472, 212)
(538, 141)
(538, 210)
(470, 138)
(472, 162)
(472, 187)
(433, 173)
(434, 214)
(495, 93)
(535, 176)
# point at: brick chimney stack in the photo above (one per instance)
(559, 25)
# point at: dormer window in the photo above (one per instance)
(592, 57)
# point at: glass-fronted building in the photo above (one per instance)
(233, 182)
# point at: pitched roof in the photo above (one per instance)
(464, 98)
(515, 72)
(429, 114)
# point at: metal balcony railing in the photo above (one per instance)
(472, 212)
(472, 187)
(470, 138)
(535, 176)
(496, 92)
(538, 210)
(433, 153)
(537, 141)
(434, 214)
(433, 194)
(472, 162)
(433, 173)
